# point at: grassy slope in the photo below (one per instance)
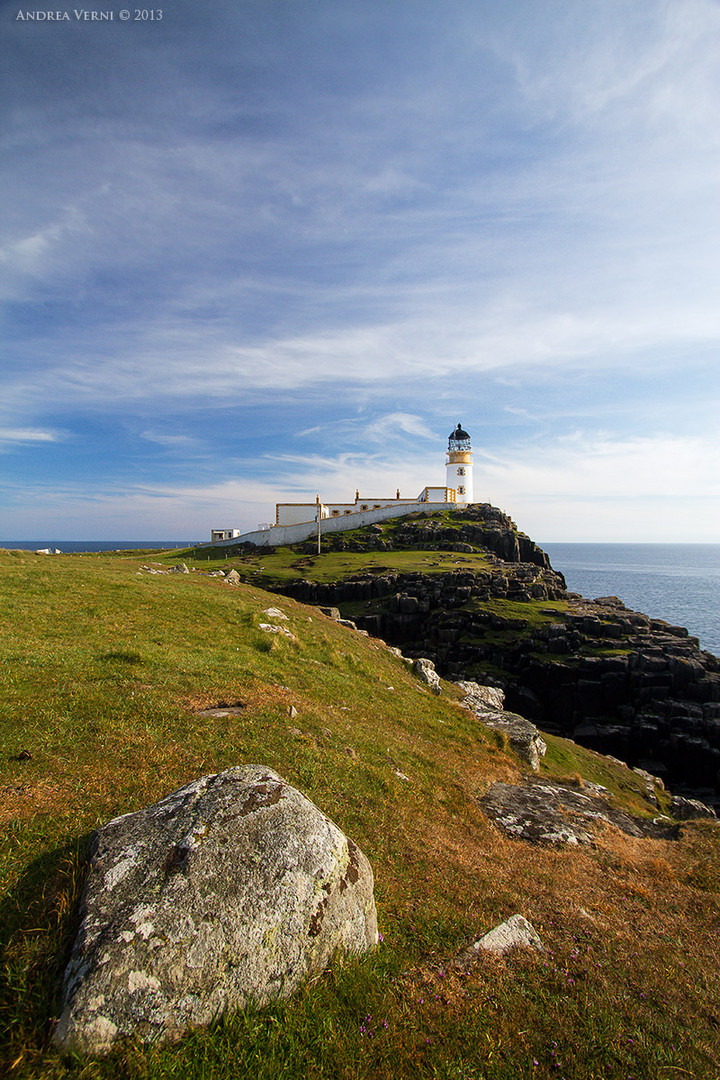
(104, 669)
(282, 565)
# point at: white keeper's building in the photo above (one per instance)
(297, 521)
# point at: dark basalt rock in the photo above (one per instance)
(613, 679)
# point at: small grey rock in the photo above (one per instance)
(545, 812)
(425, 670)
(488, 697)
(275, 613)
(688, 809)
(515, 932)
(271, 628)
(524, 738)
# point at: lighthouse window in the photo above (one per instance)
(336, 513)
(461, 491)
(364, 506)
(461, 472)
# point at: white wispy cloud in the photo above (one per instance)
(388, 427)
(163, 365)
(586, 486)
(171, 442)
(21, 436)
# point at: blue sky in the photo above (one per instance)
(259, 250)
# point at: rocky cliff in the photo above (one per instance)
(610, 678)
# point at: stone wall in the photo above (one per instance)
(279, 535)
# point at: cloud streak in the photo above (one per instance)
(23, 436)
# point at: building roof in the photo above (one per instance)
(458, 433)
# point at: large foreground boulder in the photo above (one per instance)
(231, 890)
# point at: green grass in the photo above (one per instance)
(566, 760)
(283, 565)
(534, 614)
(104, 668)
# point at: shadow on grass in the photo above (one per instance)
(40, 918)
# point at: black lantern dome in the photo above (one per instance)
(459, 439)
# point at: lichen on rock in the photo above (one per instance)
(234, 888)
(524, 738)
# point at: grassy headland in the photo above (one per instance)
(106, 669)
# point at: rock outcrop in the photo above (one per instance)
(477, 527)
(612, 679)
(425, 670)
(557, 814)
(407, 598)
(524, 738)
(234, 888)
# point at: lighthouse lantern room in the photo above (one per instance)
(459, 467)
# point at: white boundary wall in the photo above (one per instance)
(293, 534)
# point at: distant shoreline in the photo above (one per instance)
(76, 547)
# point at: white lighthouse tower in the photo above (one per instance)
(459, 468)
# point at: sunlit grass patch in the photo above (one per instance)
(283, 564)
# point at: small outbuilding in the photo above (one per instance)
(223, 534)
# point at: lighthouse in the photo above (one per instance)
(459, 468)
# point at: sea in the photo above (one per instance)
(74, 547)
(679, 583)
